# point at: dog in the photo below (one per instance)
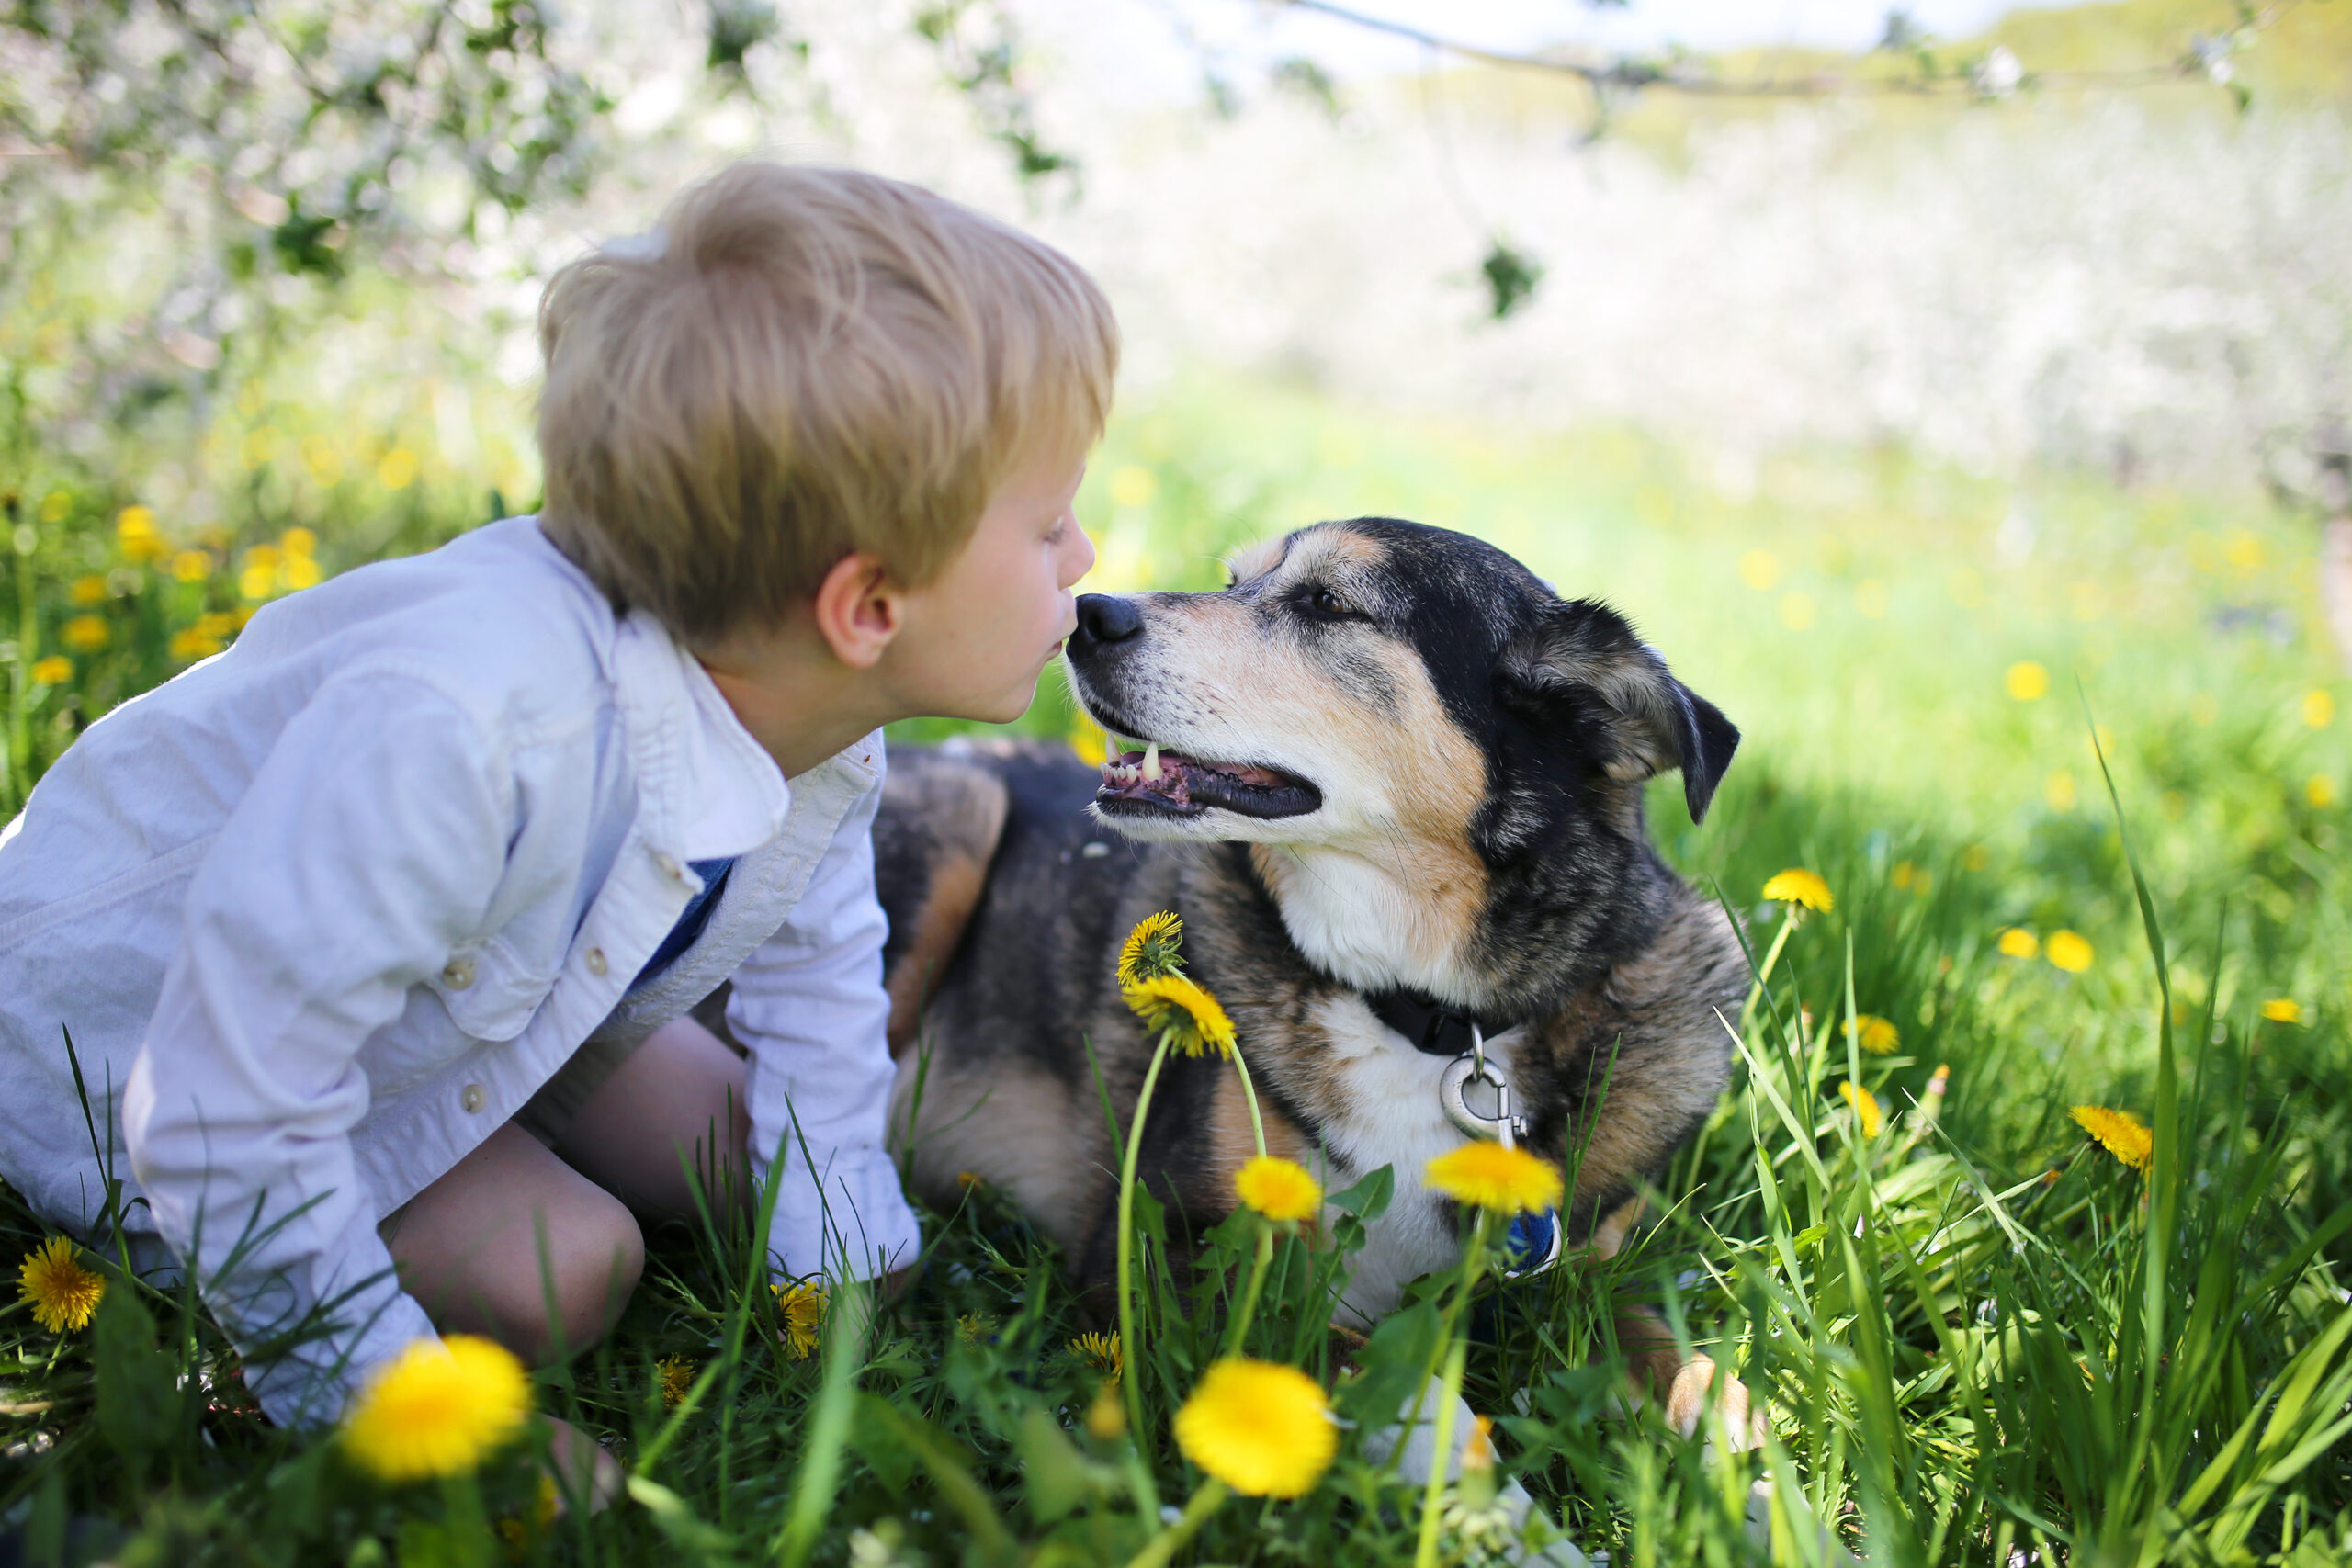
(1393, 785)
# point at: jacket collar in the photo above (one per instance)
(705, 789)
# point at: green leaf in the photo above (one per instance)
(1054, 1475)
(1368, 1198)
(678, 1523)
(1394, 1365)
(138, 1386)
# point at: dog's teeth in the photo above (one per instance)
(1151, 762)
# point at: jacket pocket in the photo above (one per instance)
(488, 992)
(142, 879)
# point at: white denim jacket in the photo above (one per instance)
(324, 911)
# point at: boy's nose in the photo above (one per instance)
(1104, 617)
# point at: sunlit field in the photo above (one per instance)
(1985, 1337)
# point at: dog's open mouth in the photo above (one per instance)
(1166, 782)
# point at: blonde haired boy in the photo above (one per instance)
(376, 935)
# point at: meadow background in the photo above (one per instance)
(1931, 435)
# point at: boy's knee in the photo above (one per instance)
(593, 1257)
(605, 1259)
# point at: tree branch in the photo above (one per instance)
(1636, 74)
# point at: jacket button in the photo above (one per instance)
(457, 974)
(668, 863)
(472, 1097)
(596, 965)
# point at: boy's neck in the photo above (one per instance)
(798, 701)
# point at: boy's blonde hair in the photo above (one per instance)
(801, 364)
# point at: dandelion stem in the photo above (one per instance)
(1250, 1093)
(1233, 1344)
(1265, 1226)
(1132, 1381)
(1165, 1545)
(1457, 1357)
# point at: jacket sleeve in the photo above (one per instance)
(368, 846)
(809, 1005)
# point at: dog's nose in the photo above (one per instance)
(1104, 617)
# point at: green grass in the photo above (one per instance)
(1980, 1334)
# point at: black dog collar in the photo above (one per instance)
(1438, 1028)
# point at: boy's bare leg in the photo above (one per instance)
(469, 1250)
(658, 1112)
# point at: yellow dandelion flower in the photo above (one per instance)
(800, 1314)
(1132, 485)
(191, 566)
(2069, 952)
(54, 671)
(2283, 1009)
(191, 643)
(1865, 1106)
(2320, 790)
(2027, 681)
(398, 471)
(1262, 1428)
(1279, 1189)
(1088, 743)
(974, 1327)
(2018, 942)
(2319, 708)
(86, 633)
(1107, 1417)
(1102, 1352)
(1798, 885)
(297, 541)
(62, 1292)
(297, 573)
(1173, 1003)
(436, 1409)
(135, 532)
(1878, 1035)
(2121, 1134)
(677, 1377)
(1507, 1181)
(88, 589)
(1153, 947)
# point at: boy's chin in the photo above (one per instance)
(1002, 709)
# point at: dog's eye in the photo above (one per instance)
(1322, 601)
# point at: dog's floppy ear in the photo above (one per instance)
(1583, 666)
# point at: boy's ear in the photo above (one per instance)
(1583, 670)
(858, 607)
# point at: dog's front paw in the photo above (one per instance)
(1689, 1396)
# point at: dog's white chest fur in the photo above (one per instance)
(1383, 1109)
